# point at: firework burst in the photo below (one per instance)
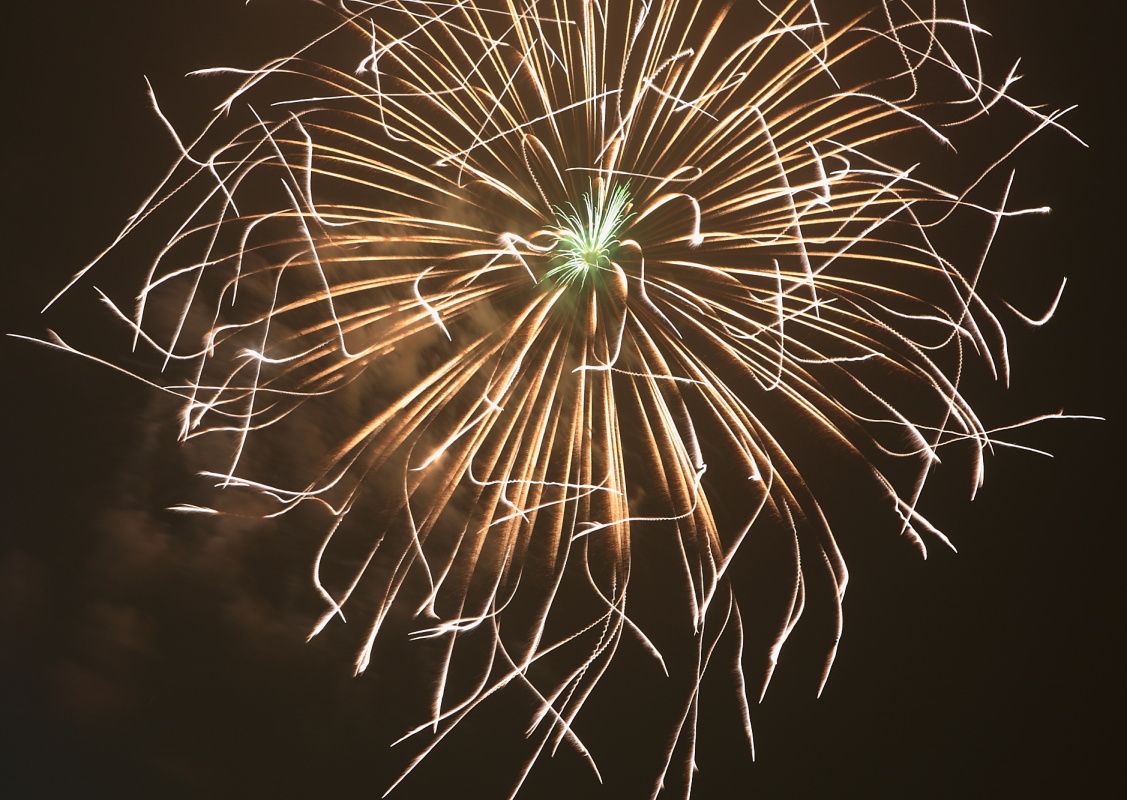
(575, 274)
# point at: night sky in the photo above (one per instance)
(153, 656)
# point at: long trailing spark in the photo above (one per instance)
(577, 271)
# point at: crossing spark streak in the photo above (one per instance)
(572, 275)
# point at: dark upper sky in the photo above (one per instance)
(143, 658)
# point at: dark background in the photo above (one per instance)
(135, 665)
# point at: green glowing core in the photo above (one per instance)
(587, 238)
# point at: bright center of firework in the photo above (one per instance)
(587, 237)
